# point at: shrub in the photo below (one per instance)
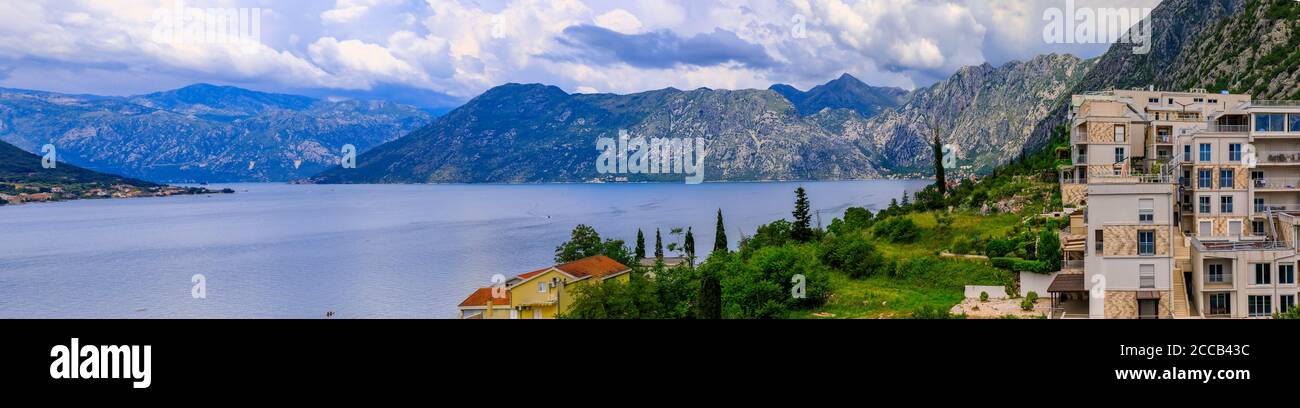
(1049, 249)
(760, 287)
(1022, 265)
(852, 254)
(1032, 296)
(1026, 304)
(984, 296)
(932, 312)
(900, 230)
(999, 247)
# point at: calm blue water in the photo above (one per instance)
(363, 251)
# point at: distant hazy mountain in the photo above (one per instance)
(201, 132)
(841, 130)
(846, 92)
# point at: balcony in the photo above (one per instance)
(1276, 103)
(1217, 128)
(1276, 183)
(1164, 139)
(1219, 279)
(1279, 157)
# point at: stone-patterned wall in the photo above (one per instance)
(1219, 224)
(1121, 305)
(1104, 132)
(1121, 240)
(1074, 194)
(1240, 177)
(1124, 305)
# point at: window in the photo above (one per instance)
(1285, 303)
(1225, 178)
(1146, 243)
(1198, 100)
(1099, 240)
(1205, 204)
(1204, 229)
(1214, 101)
(1257, 178)
(1119, 154)
(1234, 228)
(1146, 211)
(1225, 205)
(1203, 179)
(1293, 124)
(541, 287)
(1219, 304)
(1257, 228)
(1214, 273)
(1234, 152)
(1120, 133)
(1187, 152)
(1260, 305)
(1259, 205)
(1286, 274)
(1205, 152)
(1147, 276)
(1262, 275)
(1270, 122)
(1153, 100)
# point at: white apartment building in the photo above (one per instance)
(1189, 204)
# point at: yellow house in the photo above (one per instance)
(543, 293)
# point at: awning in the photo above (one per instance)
(1066, 282)
(1148, 295)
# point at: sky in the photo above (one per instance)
(442, 52)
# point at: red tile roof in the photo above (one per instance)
(597, 266)
(481, 296)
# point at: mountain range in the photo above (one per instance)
(844, 129)
(201, 132)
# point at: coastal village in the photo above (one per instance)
(23, 193)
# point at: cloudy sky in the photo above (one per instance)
(445, 51)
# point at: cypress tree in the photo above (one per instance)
(640, 245)
(709, 305)
(802, 229)
(720, 236)
(659, 245)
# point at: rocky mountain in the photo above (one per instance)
(986, 112)
(535, 133)
(201, 132)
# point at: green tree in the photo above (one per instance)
(720, 235)
(1049, 250)
(689, 245)
(709, 303)
(583, 242)
(640, 244)
(659, 245)
(802, 229)
(851, 254)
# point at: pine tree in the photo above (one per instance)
(720, 236)
(640, 245)
(659, 245)
(689, 246)
(940, 178)
(802, 229)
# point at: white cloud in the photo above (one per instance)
(460, 48)
(619, 20)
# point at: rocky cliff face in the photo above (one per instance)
(537, 133)
(201, 132)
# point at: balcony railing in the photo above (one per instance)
(1228, 246)
(1214, 127)
(1164, 139)
(1273, 102)
(1277, 183)
(1218, 279)
(1134, 179)
(1280, 156)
